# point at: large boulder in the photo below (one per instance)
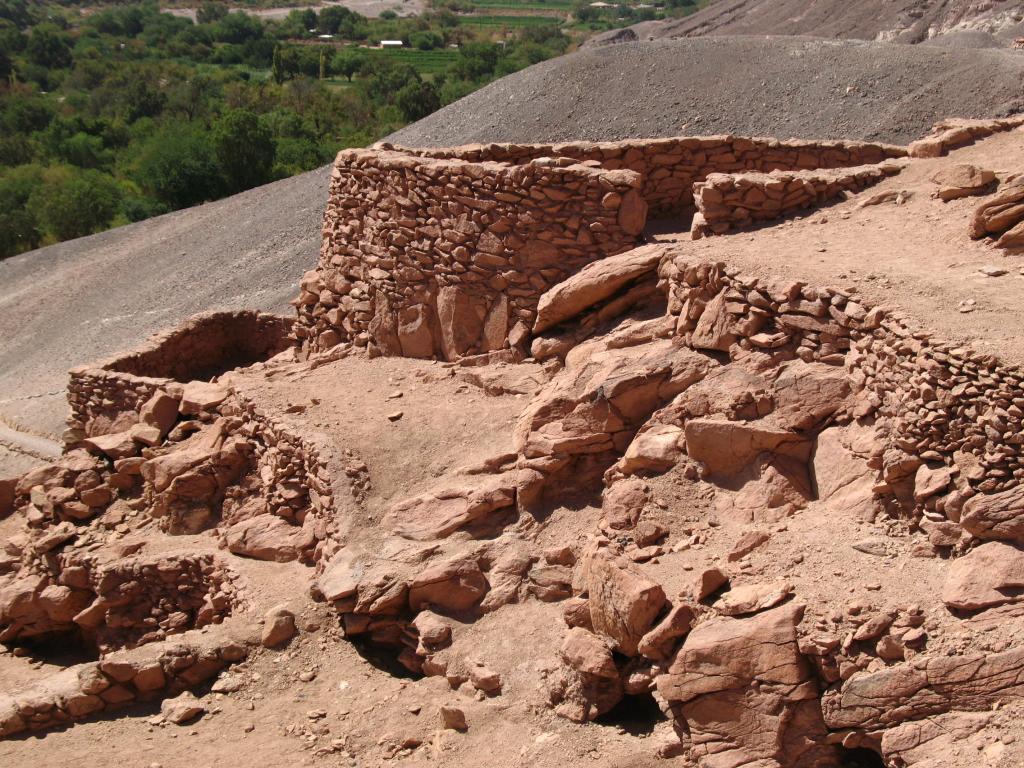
(603, 395)
(746, 694)
(590, 684)
(727, 447)
(594, 283)
(268, 537)
(992, 574)
(962, 180)
(840, 470)
(623, 602)
(438, 514)
(456, 585)
(995, 515)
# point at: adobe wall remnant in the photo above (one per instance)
(728, 200)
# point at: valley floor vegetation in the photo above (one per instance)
(114, 113)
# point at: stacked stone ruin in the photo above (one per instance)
(445, 253)
(499, 252)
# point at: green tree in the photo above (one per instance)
(73, 203)
(348, 62)
(211, 12)
(19, 230)
(277, 66)
(178, 167)
(244, 149)
(49, 47)
(417, 100)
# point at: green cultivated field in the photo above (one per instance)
(425, 62)
(505, 21)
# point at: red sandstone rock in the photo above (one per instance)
(623, 602)
(268, 537)
(752, 598)
(594, 283)
(622, 503)
(278, 627)
(199, 396)
(990, 575)
(961, 180)
(456, 585)
(160, 411)
(726, 447)
(659, 643)
(746, 694)
(117, 446)
(436, 515)
(996, 515)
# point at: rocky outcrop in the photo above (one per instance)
(1002, 216)
(746, 695)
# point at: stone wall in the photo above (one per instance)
(427, 257)
(728, 200)
(941, 404)
(445, 252)
(953, 133)
(119, 680)
(202, 347)
(670, 167)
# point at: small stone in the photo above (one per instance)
(307, 676)
(990, 271)
(395, 416)
(182, 709)
(453, 718)
(278, 626)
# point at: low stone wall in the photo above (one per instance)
(119, 680)
(428, 257)
(728, 200)
(204, 346)
(941, 403)
(953, 133)
(670, 167)
(445, 252)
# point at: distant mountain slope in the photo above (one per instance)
(783, 86)
(991, 22)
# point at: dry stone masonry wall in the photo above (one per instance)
(119, 680)
(728, 200)
(953, 417)
(203, 346)
(427, 257)
(445, 253)
(670, 167)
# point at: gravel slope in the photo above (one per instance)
(86, 299)
(783, 87)
(903, 21)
